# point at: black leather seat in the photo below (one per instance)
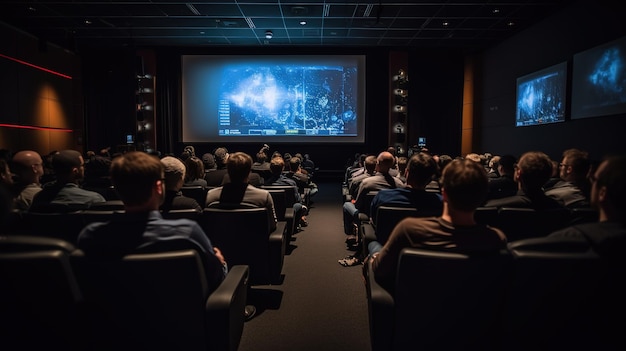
(522, 223)
(40, 300)
(386, 219)
(197, 193)
(243, 235)
(565, 297)
(283, 213)
(442, 301)
(159, 299)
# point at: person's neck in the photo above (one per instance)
(456, 217)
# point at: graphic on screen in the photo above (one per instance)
(271, 97)
(541, 96)
(599, 81)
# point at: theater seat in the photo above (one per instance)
(160, 299)
(442, 301)
(40, 300)
(243, 235)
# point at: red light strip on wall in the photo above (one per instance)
(50, 129)
(35, 66)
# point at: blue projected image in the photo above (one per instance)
(273, 98)
(599, 81)
(542, 96)
(287, 99)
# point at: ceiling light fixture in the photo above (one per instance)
(269, 34)
(302, 23)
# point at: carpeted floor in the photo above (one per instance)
(320, 304)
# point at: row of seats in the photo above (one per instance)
(243, 234)
(540, 294)
(517, 223)
(54, 297)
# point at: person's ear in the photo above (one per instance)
(602, 197)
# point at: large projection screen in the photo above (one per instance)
(273, 98)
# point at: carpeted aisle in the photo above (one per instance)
(320, 305)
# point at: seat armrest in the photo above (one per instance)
(277, 247)
(225, 310)
(363, 217)
(367, 235)
(380, 305)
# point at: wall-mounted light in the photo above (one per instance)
(269, 34)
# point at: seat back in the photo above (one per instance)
(290, 193)
(197, 193)
(243, 235)
(442, 301)
(388, 216)
(564, 296)
(189, 213)
(156, 299)
(61, 225)
(522, 223)
(40, 301)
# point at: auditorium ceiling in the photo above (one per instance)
(462, 24)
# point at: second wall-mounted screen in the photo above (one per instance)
(272, 98)
(542, 96)
(599, 81)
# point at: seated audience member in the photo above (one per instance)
(402, 164)
(607, 236)
(239, 191)
(555, 176)
(531, 173)
(138, 179)
(464, 187)
(420, 171)
(208, 162)
(277, 166)
(308, 165)
(369, 169)
(573, 188)
(194, 172)
(492, 167)
(28, 168)
(303, 180)
(69, 170)
(381, 180)
(357, 168)
(261, 165)
(174, 171)
(97, 173)
(6, 196)
(216, 177)
(504, 185)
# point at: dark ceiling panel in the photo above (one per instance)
(472, 25)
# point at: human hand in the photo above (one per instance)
(219, 255)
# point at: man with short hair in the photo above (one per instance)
(573, 187)
(174, 178)
(28, 168)
(69, 169)
(216, 177)
(532, 171)
(239, 191)
(464, 187)
(138, 178)
(607, 236)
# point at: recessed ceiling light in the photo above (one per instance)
(445, 23)
(88, 22)
(302, 23)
